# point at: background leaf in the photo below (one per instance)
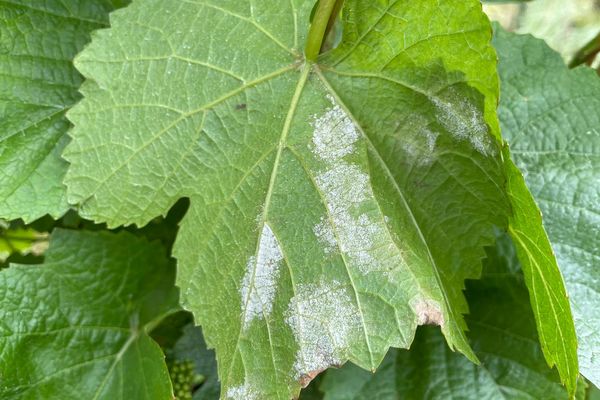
(76, 327)
(550, 116)
(547, 290)
(38, 84)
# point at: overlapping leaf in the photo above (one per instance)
(334, 207)
(76, 327)
(38, 84)
(503, 333)
(550, 116)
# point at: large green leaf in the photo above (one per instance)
(551, 117)
(503, 333)
(334, 206)
(38, 84)
(76, 327)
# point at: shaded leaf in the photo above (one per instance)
(76, 327)
(550, 116)
(544, 280)
(38, 84)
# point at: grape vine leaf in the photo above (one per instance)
(502, 331)
(593, 393)
(76, 327)
(38, 84)
(339, 204)
(550, 117)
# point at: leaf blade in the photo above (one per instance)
(65, 334)
(39, 84)
(550, 143)
(502, 331)
(288, 211)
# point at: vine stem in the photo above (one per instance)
(319, 25)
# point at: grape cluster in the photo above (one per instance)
(183, 379)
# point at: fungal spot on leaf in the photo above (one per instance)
(326, 236)
(463, 120)
(428, 312)
(334, 134)
(242, 392)
(324, 321)
(345, 188)
(260, 280)
(420, 144)
(307, 378)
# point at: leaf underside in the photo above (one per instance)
(339, 205)
(38, 84)
(75, 327)
(550, 117)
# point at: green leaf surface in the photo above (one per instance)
(593, 393)
(544, 280)
(38, 84)
(334, 206)
(503, 334)
(76, 327)
(551, 117)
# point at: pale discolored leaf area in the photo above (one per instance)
(76, 327)
(38, 84)
(20, 240)
(502, 331)
(334, 206)
(551, 118)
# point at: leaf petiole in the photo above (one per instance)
(321, 24)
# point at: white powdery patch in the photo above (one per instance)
(464, 121)
(324, 321)
(242, 392)
(260, 280)
(428, 311)
(334, 134)
(345, 188)
(325, 234)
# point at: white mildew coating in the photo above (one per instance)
(326, 235)
(345, 188)
(420, 147)
(464, 121)
(428, 311)
(242, 392)
(324, 321)
(260, 280)
(334, 134)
